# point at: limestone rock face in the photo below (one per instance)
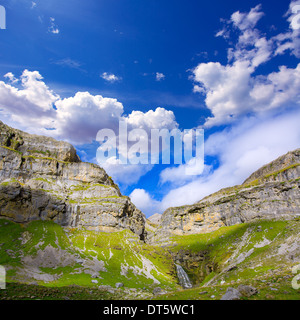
(155, 218)
(271, 192)
(42, 178)
(30, 144)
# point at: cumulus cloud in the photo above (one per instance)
(159, 118)
(143, 201)
(232, 91)
(34, 107)
(110, 77)
(77, 118)
(153, 119)
(235, 89)
(80, 117)
(266, 107)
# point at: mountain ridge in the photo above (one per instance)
(67, 231)
(270, 192)
(42, 178)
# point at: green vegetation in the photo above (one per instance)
(18, 291)
(276, 287)
(31, 157)
(250, 250)
(254, 183)
(275, 174)
(12, 149)
(44, 180)
(254, 245)
(122, 257)
(85, 186)
(6, 183)
(46, 153)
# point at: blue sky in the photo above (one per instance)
(228, 67)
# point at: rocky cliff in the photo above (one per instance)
(51, 203)
(271, 192)
(41, 178)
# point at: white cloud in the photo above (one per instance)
(76, 119)
(290, 41)
(178, 175)
(267, 107)
(241, 150)
(242, 21)
(159, 76)
(53, 28)
(153, 119)
(234, 89)
(144, 201)
(227, 89)
(31, 106)
(34, 107)
(249, 20)
(125, 174)
(36, 91)
(80, 117)
(159, 118)
(69, 63)
(110, 77)
(11, 77)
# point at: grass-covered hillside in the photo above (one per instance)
(261, 254)
(44, 253)
(46, 261)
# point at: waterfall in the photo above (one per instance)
(183, 277)
(75, 211)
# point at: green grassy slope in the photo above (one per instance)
(43, 253)
(44, 260)
(262, 254)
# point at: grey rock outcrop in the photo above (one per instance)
(237, 294)
(119, 285)
(247, 291)
(157, 291)
(232, 294)
(155, 218)
(41, 178)
(271, 192)
(35, 145)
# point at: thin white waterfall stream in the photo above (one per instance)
(183, 277)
